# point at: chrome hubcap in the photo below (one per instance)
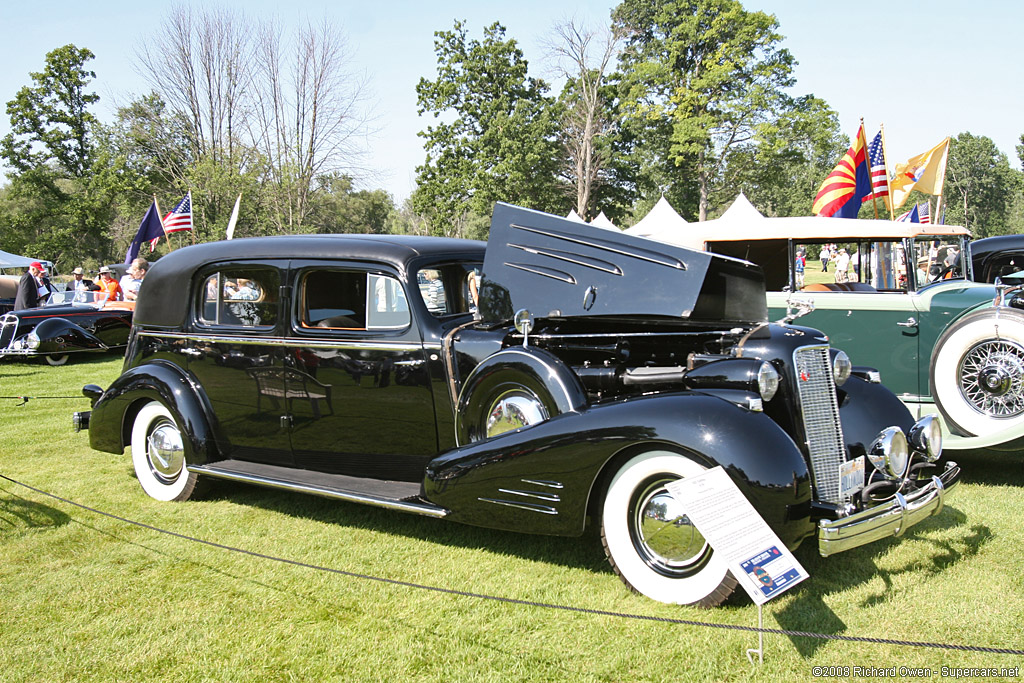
(992, 378)
(664, 536)
(514, 410)
(166, 451)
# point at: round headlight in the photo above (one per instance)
(32, 340)
(926, 436)
(889, 453)
(842, 368)
(767, 381)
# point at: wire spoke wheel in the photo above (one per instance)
(992, 378)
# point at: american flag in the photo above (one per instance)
(180, 217)
(879, 177)
(924, 213)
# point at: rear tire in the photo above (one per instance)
(159, 454)
(650, 544)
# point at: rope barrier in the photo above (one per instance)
(26, 399)
(528, 603)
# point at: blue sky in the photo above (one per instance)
(925, 70)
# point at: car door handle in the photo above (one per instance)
(909, 322)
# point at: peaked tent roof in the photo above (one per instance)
(740, 210)
(661, 219)
(573, 216)
(603, 221)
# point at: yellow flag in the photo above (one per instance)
(924, 173)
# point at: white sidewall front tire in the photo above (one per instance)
(177, 488)
(946, 378)
(708, 586)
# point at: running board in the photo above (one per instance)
(394, 495)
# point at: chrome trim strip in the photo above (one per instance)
(887, 519)
(287, 341)
(550, 497)
(554, 275)
(542, 509)
(596, 264)
(543, 482)
(641, 254)
(630, 335)
(404, 506)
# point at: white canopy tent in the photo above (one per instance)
(9, 260)
(603, 221)
(661, 221)
(573, 216)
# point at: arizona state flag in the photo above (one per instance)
(844, 188)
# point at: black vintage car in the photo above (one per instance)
(70, 323)
(596, 368)
(997, 257)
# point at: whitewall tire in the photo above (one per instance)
(651, 545)
(977, 372)
(158, 454)
(56, 359)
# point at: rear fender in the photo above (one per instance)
(545, 478)
(60, 335)
(110, 424)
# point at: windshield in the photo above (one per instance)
(938, 258)
(76, 298)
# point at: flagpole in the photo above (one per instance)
(871, 177)
(885, 160)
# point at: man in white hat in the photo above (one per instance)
(80, 283)
(109, 285)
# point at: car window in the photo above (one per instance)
(240, 297)
(449, 288)
(351, 300)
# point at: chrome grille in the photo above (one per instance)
(8, 326)
(820, 411)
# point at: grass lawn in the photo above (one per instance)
(90, 598)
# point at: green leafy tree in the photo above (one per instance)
(341, 209)
(55, 205)
(980, 186)
(714, 74)
(498, 140)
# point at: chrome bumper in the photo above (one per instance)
(887, 519)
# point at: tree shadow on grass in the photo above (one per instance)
(19, 515)
(828, 576)
(584, 552)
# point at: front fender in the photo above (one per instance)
(543, 478)
(113, 413)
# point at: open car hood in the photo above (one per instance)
(556, 267)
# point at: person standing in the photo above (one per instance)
(27, 295)
(842, 266)
(824, 258)
(799, 265)
(80, 283)
(109, 285)
(131, 282)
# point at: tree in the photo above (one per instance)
(980, 186)
(583, 56)
(54, 204)
(500, 144)
(50, 121)
(713, 72)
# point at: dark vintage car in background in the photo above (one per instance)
(1001, 257)
(595, 370)
(71, 323)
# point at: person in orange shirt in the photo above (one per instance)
(109, 285)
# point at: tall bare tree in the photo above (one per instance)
(308, 117)
(583, 55)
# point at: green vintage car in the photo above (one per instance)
(906, 306)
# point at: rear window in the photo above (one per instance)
(240, 297)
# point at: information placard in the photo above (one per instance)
(757, 558)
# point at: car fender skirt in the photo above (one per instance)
(59, 335)
(112, 415)
(497, 482)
